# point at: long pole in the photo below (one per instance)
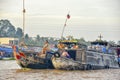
(64, 27)
(100, 37)
(23, 19)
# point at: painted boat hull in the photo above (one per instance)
(32, 60)
(37, 64)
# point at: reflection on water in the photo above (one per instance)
(9, 70)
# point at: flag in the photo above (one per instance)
(68, 16)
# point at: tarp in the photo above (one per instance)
(6, 50)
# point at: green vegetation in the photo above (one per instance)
(12, 58)
(8, 30)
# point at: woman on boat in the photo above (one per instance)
(65, 54)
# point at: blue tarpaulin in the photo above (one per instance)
(6, 50)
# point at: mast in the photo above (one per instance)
(68, 16)
(63, 29)
(23, 19)
(100, 37)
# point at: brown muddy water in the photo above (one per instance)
(9, 70)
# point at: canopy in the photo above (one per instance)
(99, 43)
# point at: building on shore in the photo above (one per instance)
(9, 41)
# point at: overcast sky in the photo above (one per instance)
(89, 18)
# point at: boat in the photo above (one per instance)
(27, 57)
(86, 59)
(31, 59)
(5, 51)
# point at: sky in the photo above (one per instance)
(89, 18)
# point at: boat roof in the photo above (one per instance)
(69, 41)
(99, 43)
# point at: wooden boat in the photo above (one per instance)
(30, 59)
(66, 63)
(86, 59)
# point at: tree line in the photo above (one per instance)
(8, 30)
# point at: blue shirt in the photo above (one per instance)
(104, 49)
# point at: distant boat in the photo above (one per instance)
(5, 51)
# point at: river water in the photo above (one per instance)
(9, 70)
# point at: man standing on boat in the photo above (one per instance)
(61, 46)
(45, 47)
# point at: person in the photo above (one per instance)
(104, 49)
(119, 60)
(1, 54)
(23, 46)
(75, 46)
(118, 51)
(98, 47)
(110, 50)
(45, 47)
(55, 48)
(65, 54)
(60, 45)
